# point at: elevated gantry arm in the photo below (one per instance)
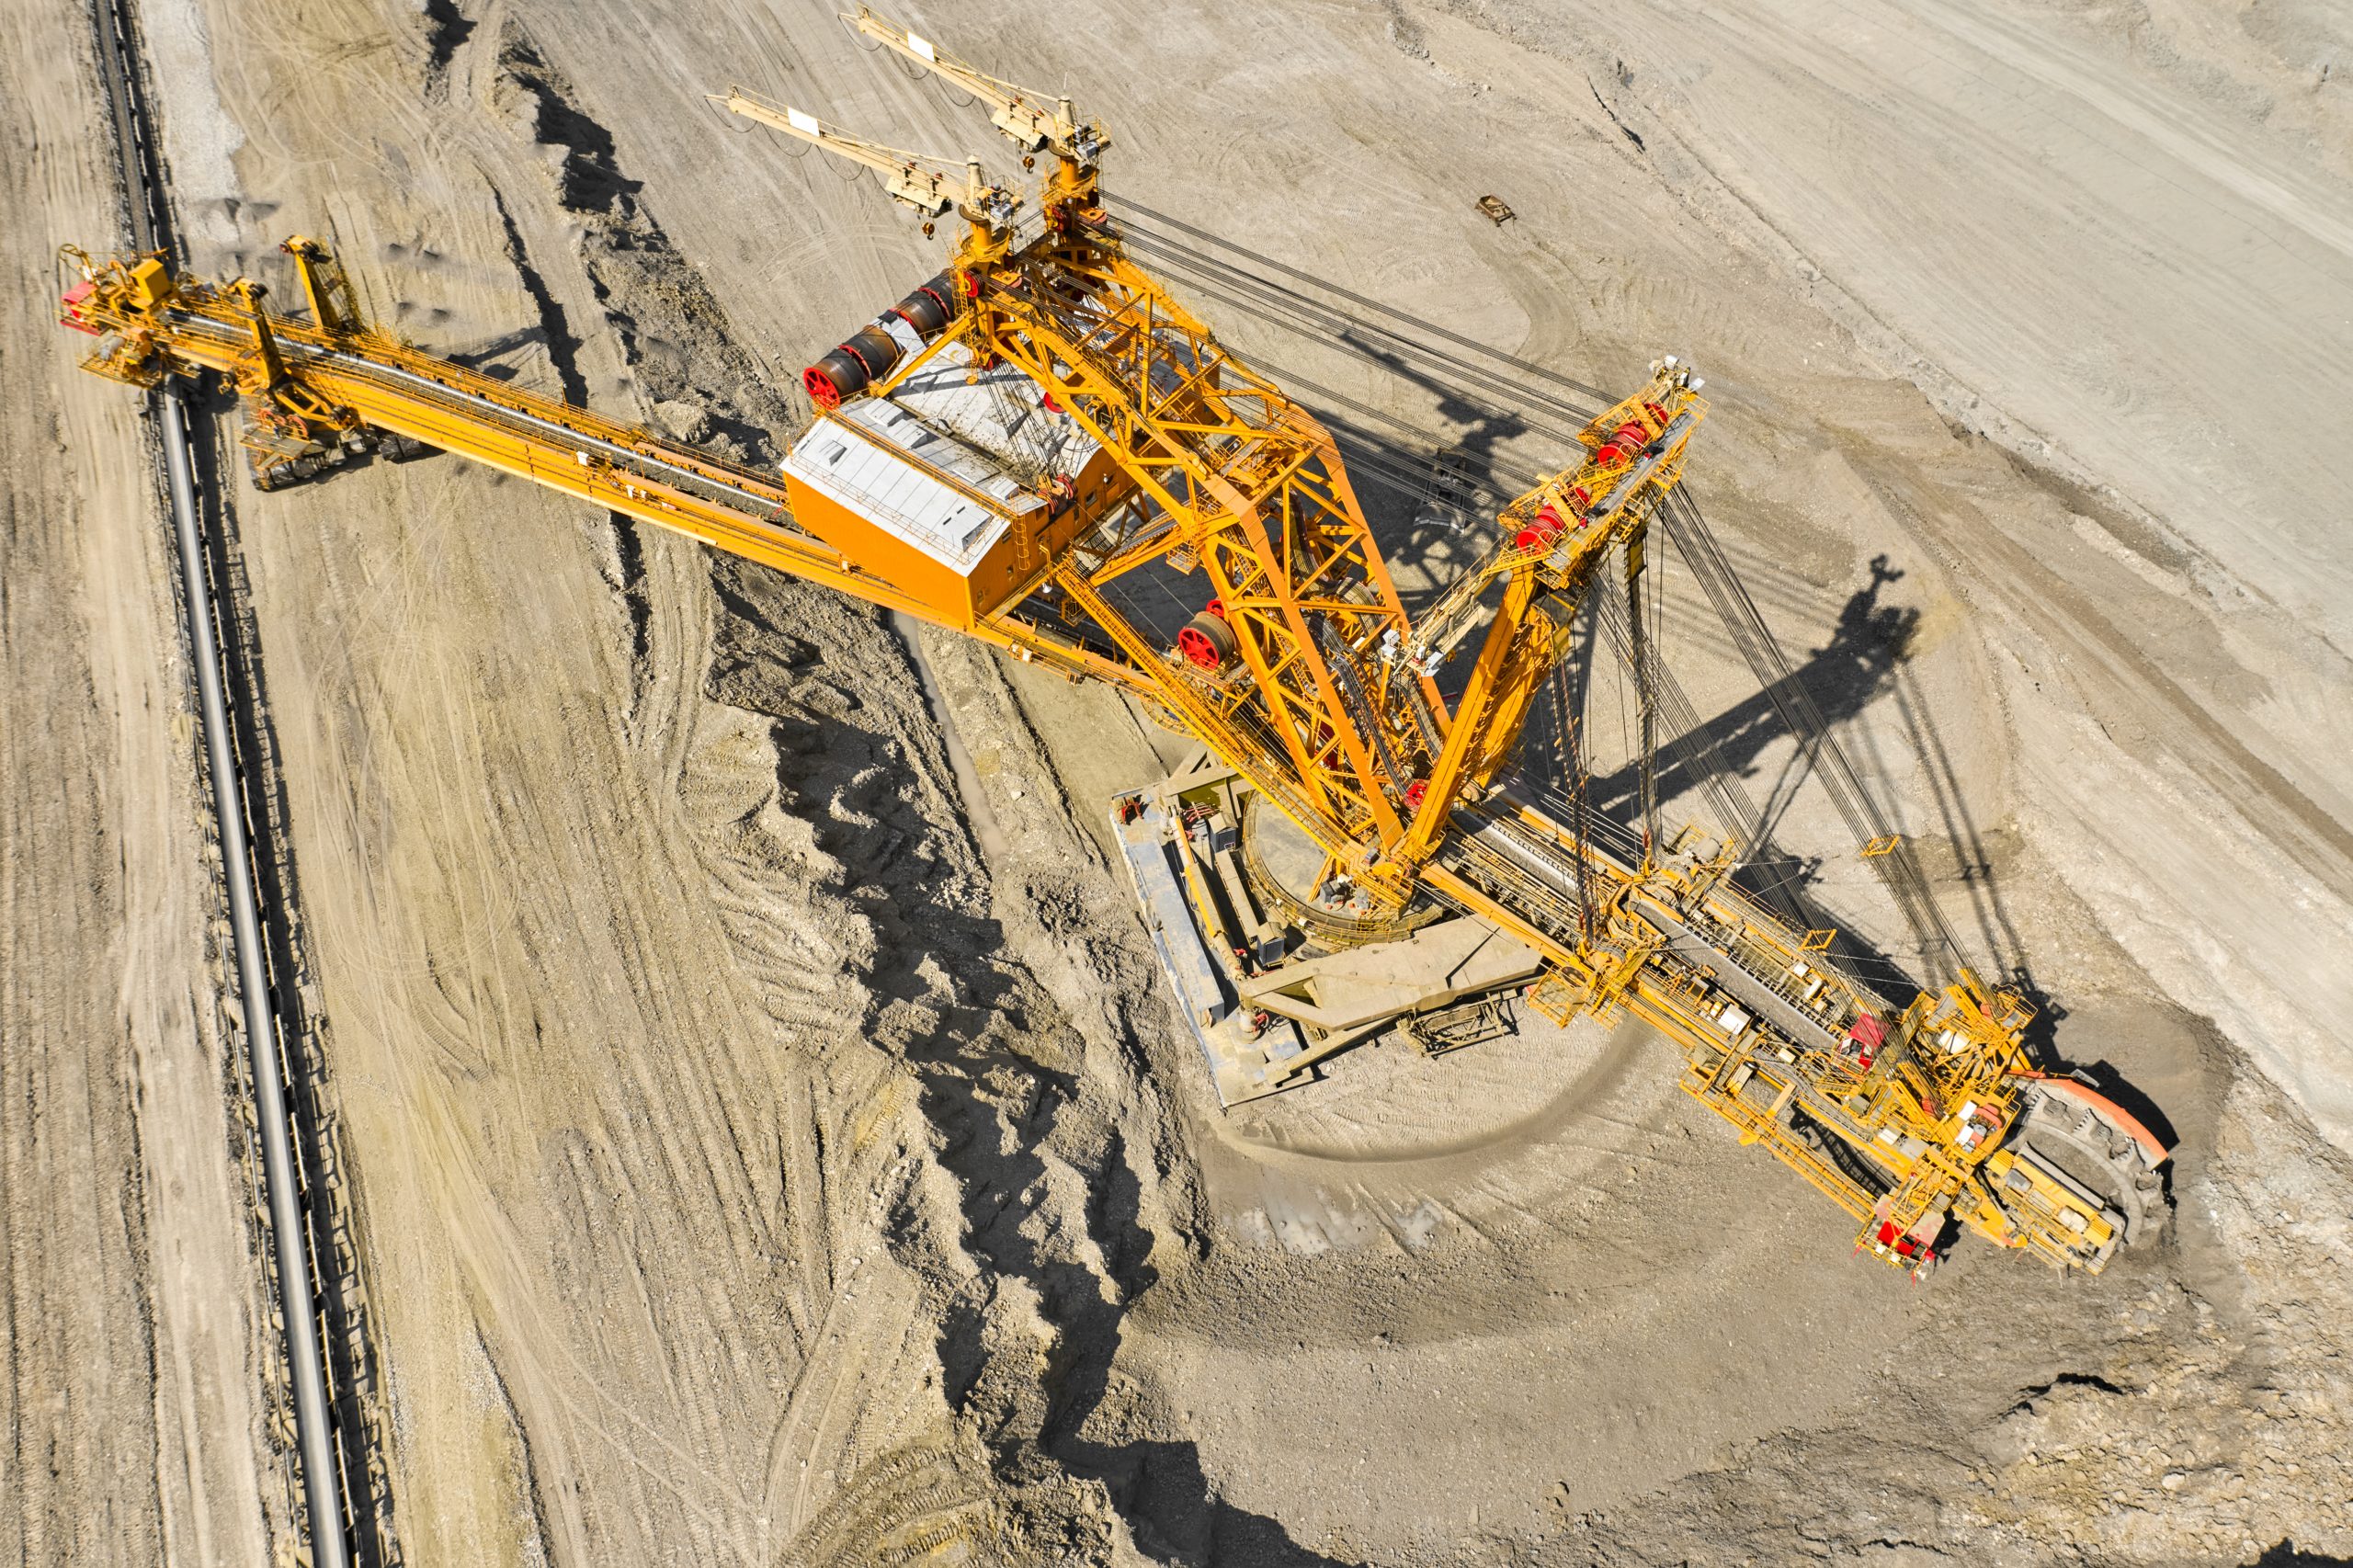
(927, 185)
(1927, 1101)
(1302, 673)
(1552, 541)
(1024, 117)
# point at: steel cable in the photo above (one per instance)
(1689, 741)
(1496, 396)
(1898, 867)
(1525, 367)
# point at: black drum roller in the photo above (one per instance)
(945, 290)
(922, 311)
(875, 348)
(838, 375)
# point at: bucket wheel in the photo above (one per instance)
(2101, 1147)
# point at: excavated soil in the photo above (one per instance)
(769, 1139)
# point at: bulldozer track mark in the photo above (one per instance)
(900, 1509)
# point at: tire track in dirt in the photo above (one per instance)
(819, 816)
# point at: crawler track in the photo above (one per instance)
(344, 1501)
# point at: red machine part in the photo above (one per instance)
(1542, 528)
(1866, 1037)
(75, 298)
(871, 352)
(820, 386)
(1916, 1245)
(1625, 444)
(2116, 1115)
(1206, 640)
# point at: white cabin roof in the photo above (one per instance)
(939, 462)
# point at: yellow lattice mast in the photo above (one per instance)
(1292, 670)
(1307, 668)
(1552, 543)
(1231, 480)
(1020, 439)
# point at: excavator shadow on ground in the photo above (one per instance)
(1425, 496)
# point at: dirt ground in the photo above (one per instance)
(131, 1311)
(769, 1140)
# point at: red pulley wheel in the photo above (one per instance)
(1542, 529)
(1207, 643)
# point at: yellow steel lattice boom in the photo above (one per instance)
(1302, 671)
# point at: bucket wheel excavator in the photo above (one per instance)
(1028, 442)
